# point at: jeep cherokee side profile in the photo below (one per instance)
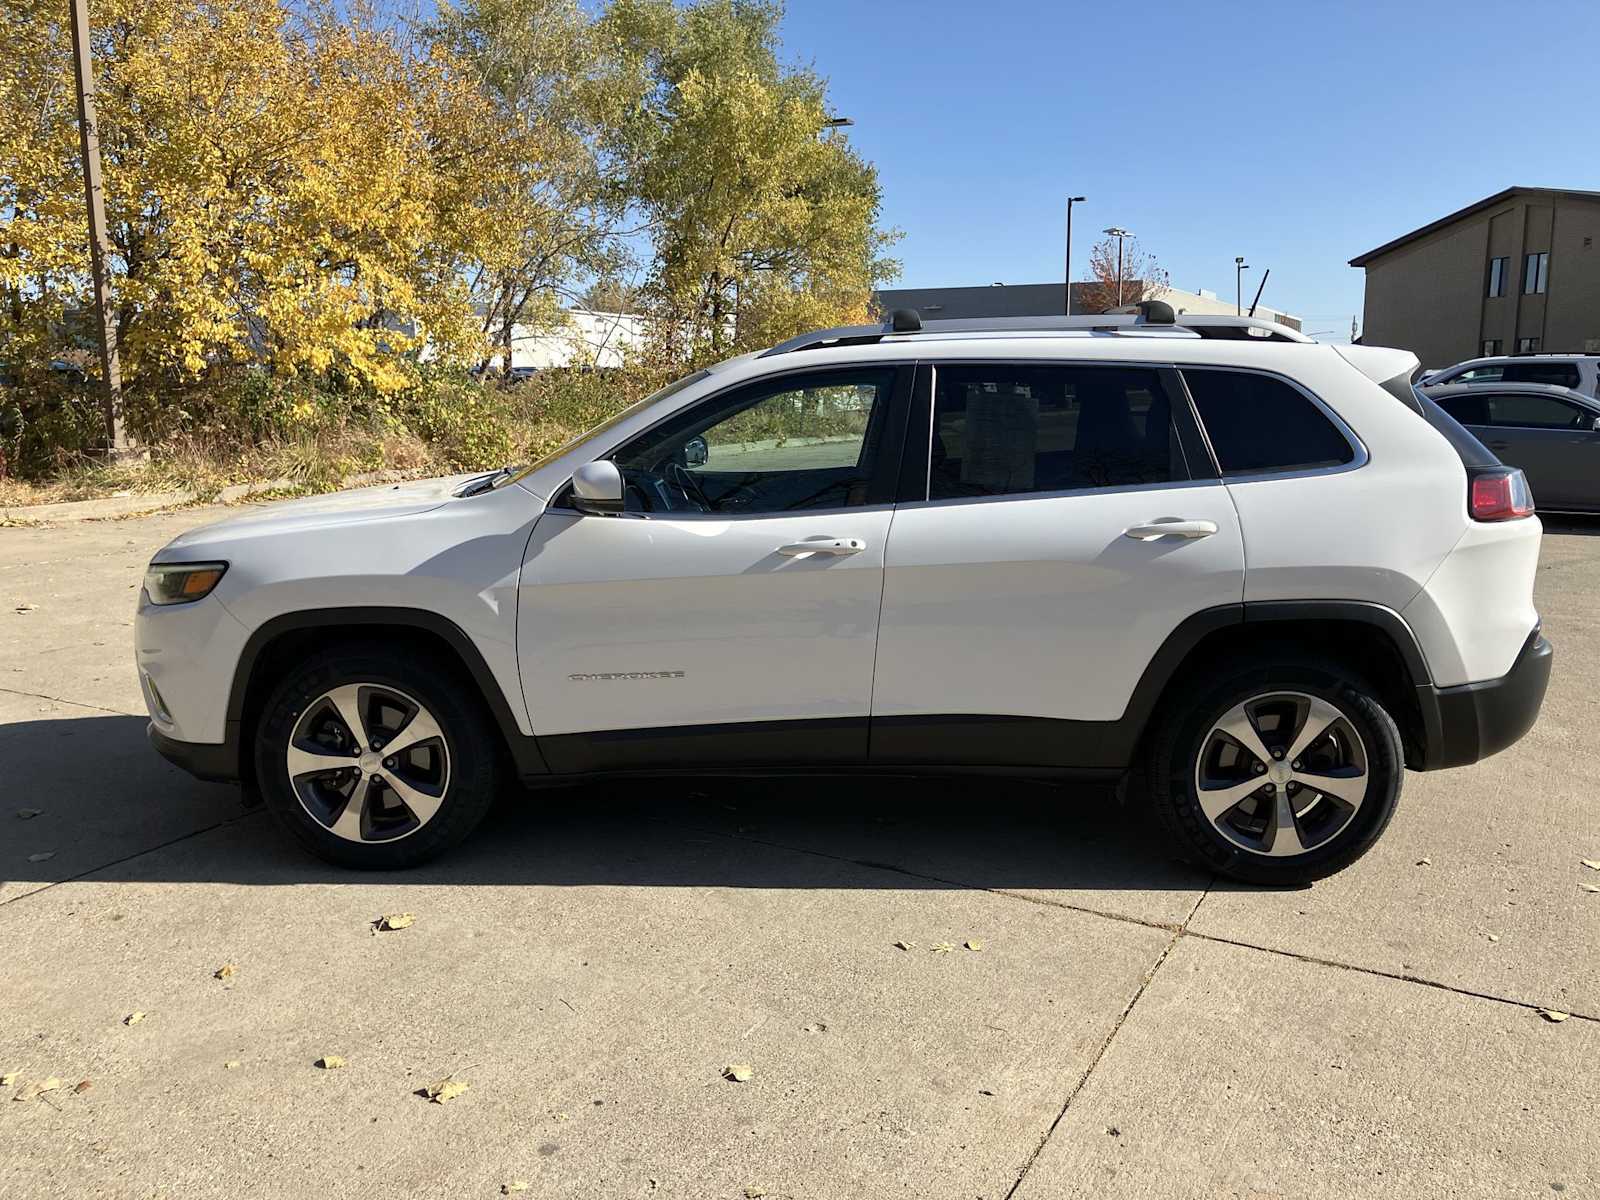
(1259, 574)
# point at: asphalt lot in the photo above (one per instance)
(591, 960)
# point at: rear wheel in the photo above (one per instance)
(1277, 773)
(374, 760)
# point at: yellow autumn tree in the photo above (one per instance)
(301, 193)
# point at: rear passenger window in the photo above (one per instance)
(1560, 374)
(1001, 428)
(1257, 423)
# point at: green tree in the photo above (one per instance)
(763, 220)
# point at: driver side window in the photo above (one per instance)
(782, 445)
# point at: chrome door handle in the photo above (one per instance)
(1170, 527)
(832, 546)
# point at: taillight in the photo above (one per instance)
(1499, 494)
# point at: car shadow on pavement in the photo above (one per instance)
(109, 805)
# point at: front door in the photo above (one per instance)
(1062, 540)
(729, 616)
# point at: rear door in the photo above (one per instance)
(1029, 579)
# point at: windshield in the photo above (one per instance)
(513, 474)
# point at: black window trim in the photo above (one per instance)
(883, 475)
(1358, 447)
(917, 461)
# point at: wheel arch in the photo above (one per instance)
(1372, 640)
(279, 644)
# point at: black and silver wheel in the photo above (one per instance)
(375, 761)
(1277, 774)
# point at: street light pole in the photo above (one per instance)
(99, 241)
(1239, 268)
(1119, 233)
(1071, 200)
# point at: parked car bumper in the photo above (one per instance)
(217, 763)
(1475, 720)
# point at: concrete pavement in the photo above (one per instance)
(591, 960)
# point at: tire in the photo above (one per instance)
(414, 805)
(1196, 764)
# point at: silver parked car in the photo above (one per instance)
(1552, 433)
(1581, 372)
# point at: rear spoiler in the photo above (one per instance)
(1392, 370)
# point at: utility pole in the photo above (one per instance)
(1119, 233)
(99, 242)
(1071, 200)
(1239, 268)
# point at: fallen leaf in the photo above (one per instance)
(754, 1193)
(903, 945)
(738, 1072)
(1553, 1015)
(1494, 937)
(83, 1086)
(394, 921)
(42, 856)
(8, 1079)
(28, 814)
(225, 971)
(815, 1027)
(1424, 862)
(973, 944)
(942, 947)
(985, 1092)
(513, 1187)
(133, 1018)
(27, 608)
(1592, 863)
(232, 1064)
(330, 1062)
(445, 1090)
(37, 1087)
(1590, 887)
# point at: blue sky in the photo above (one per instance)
(1296, 134)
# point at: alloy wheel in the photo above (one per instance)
(368, 762)
(1281, 774)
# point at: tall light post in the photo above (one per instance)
(1239, 268)
(1071, 200)
(1119, 233)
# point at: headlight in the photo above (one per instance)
(180, 583)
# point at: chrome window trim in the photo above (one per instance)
(1357, 446)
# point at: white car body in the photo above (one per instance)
(960, 632)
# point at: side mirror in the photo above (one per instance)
(1595, 425)
(695, 452)
(597, 488)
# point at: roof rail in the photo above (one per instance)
(1152, 316)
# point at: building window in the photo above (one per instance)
(1497, 276)
(1491, 346)
(1535, 274)
(1528, 345)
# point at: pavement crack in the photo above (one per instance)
(116, 712)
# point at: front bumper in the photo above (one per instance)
(1472, 721)
(217, 763)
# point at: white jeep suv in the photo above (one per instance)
(1256, 574)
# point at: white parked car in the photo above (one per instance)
(1257, 574)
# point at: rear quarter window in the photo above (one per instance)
(1259, 423)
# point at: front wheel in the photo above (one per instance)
(1280, 773)
(375, 760)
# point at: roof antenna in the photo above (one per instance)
(905, 320)
(1257, 300)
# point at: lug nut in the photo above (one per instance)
(1260, 767)
(376, 744)
(1275, 753)
(1270, 789)
(388, 764)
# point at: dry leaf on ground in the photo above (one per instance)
(232, 1064)
(27, 608)
(28, 814)
(942, 947)
(37, 1087)
(1590, 887)
(83, 1085)
(444, 1091)
(513, 1187)
(133, 1018)
(904, 945)
(738, 1072)
(330, 1062)
(1424, 862)
(754, 1193)
(8, 1079)
(1592, 863)
(43, 856)
(394, 921)
(1553, 1014)
(974, 943)
(815, 1027)
(225, 971)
